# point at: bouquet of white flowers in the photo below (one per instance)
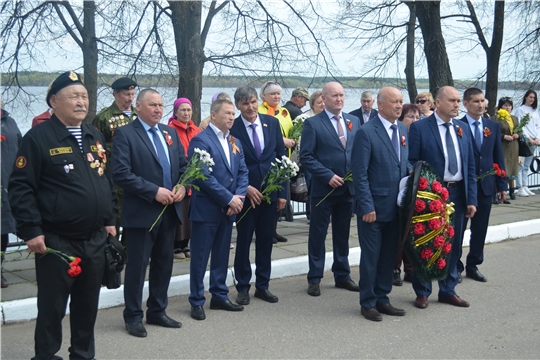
(280, 171)
(194, 171)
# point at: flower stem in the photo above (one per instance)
(159, 217)
(249, 208)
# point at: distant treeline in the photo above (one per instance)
(36, 78)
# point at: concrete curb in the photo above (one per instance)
(26, 309)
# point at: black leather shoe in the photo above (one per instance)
(243, 297)
(225, 305)
(280, 238)
(397, 278)
(349, 285)
(136, 329)
(197, 313)
(476, 275)
(313, 289)
(164, 321)
(388, 309)
(371, 314)
(506, 202)
(266, 296)
(459, 278)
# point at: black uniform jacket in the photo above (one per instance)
(55, 187)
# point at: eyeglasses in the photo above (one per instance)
(420, 101)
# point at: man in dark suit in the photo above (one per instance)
(148, 160)
(327, 142)
(379, 162)
(486, 139)
(263, 143)
(366, 111)
(443, 144)
(214, 208)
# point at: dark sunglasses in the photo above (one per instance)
(421, 101)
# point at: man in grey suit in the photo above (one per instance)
(379, 161)
(366, 111)
(327, 141)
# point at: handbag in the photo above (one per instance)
(299, 189)
(115, 260)
(524, 148)
(535, 165)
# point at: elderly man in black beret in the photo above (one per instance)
(62, 198)
(121, 111)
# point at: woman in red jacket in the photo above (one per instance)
(186, 129)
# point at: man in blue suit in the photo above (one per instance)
(327, 142)
(379, 161)
(487, 147)
(214, 208)
(263, 143)
(148, 160)
(445, 145)
(366, 111)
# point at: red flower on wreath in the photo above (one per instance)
(441, 263)
(450, 231)
(419, 229)
(422, 184)
(436, 187)
(435, 206)
(445, 194)
(2, 138)
(426, 253)
(435, 224)
(419, 206)
(447, 248)
(438, 241)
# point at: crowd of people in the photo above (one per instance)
(72, 184)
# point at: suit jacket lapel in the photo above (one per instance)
(212, 135)
(266, 134)
(383, 134)
(244, 136)
(436, 134)
(173, 158)
(139, 129)
(328, 123)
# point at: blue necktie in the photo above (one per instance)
(162, 156)
(395, 139)
(451, 151)
(256, 142)
(477, 136)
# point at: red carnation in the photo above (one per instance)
(419, 229)
(436, 187)
(503, 173)
(426, 253)
(496, 167)
(435, 224)
(444, 194)
(438, 241)
(74, 271)
(435, 206)
(447, 247)
(450, 231)
(2, 138)
(441, 264)
(419, 206)
(422, 184)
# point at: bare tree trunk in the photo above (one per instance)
(494, 56)
(429, 18)
(90, 56)
(409, 66)
(186, 20)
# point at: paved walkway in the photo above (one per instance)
(19, 265)
(502, 322)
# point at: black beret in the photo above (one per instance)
(124, 84)
(66, 79)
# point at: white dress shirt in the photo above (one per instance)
(258, 130)
(223, 141)
(442, 132)
(365, 115)
(341, 121)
